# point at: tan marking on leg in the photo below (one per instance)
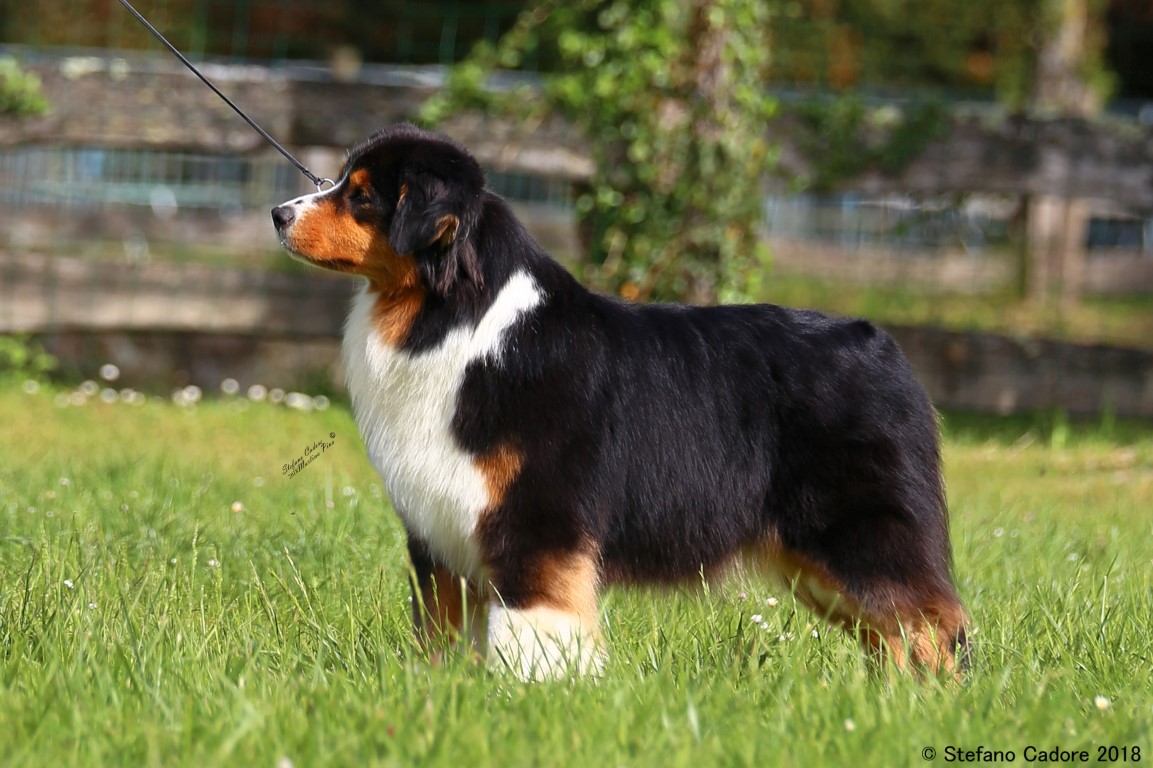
(911, 631)
(450, 610)
(928, 634)
(558, 632)
(569, 582)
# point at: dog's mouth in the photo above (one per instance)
(332, 264)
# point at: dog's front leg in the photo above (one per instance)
(542, 621)
(446, 608)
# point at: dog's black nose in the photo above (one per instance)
(282, 216)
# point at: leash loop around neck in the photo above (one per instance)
(319, 182)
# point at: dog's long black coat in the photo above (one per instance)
(663, 442)
(675, 435)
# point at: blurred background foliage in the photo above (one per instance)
(20, 94)
(979, 46)
(670, 96)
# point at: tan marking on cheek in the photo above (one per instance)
(335, 240)
(500, 467)
(331, 238)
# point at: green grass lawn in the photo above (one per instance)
(169, 597)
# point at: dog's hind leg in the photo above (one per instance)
(929, 636)
(916, 626)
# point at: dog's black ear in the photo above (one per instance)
(434, 222)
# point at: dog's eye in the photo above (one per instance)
(360, 196)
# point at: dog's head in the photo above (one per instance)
(404, 210)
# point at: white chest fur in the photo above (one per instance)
(404, 405)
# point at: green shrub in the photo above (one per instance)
(22, 359)
(670, 98)
(20, 94)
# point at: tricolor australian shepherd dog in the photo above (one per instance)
(540, 441)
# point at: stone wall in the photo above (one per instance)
(166, 328)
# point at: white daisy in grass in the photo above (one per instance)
(850, 726)
(69, 583)
(1102, 702)
(772, 602)
(298, 401)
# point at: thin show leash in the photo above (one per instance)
(318, 181)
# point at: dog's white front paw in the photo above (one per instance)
(542, 643)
